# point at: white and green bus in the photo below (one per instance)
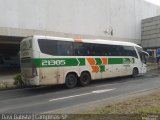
(47, 60)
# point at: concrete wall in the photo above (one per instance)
(75, 18)
(151, 32)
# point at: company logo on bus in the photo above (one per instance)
(128, 60)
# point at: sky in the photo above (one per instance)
(157, 2)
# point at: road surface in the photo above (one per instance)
(54, 98)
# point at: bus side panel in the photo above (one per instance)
(48, 73)
(138, 64)
(51, 76)
(127, 67)
(60, 77)
(132, 66)
(92, 68)
(108, 72)
(70, 69)
(126, 70)
(117, 70)
(89, 69)
(48, 76)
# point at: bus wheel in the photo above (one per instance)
(71, 80)
(85, 79)
(135, 72)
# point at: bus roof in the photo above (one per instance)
(98, 41)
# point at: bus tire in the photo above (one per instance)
(71, 80)
(85, 79)
(135, 72)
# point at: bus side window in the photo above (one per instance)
(78, 49)
(85, 49)
(93, 50)
(61, 50)
(70, 50)
(106, 50)
(48, 46)
(65, 48)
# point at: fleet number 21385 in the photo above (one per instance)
(53, 62)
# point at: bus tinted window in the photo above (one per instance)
(48, 46)
(77, 49)
(92, 49)
(65, 48)
(129, 51)
(140, 52)
(100, 50)
(53, 47)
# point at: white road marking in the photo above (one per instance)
(103, 85)
(102, 91)
(69, 97)
(93, 92)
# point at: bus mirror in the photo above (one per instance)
(146, 54)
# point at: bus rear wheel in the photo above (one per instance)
(135, 72)
(85, 79)
(71, 80)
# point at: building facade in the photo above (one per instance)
(151, 32)
(104, 19)
(151, 36)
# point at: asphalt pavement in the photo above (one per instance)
(57, 99)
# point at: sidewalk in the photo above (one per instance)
(7, 78)
(6, 82)
(151, 66)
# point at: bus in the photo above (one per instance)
(47, 60)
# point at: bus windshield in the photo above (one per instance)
(141, 54)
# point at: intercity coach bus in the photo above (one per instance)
(47, 60)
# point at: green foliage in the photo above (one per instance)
(148, 110)
(2, 86)
(18, 81)
(6, 86)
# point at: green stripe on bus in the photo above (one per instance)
(121, 60)
(98, 61)
(126, 61)
(58, 62)
(102, 68)
(82, 61)
(37, 62)
(115, 60)
(64, 62)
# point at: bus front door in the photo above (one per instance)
(144, 61)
